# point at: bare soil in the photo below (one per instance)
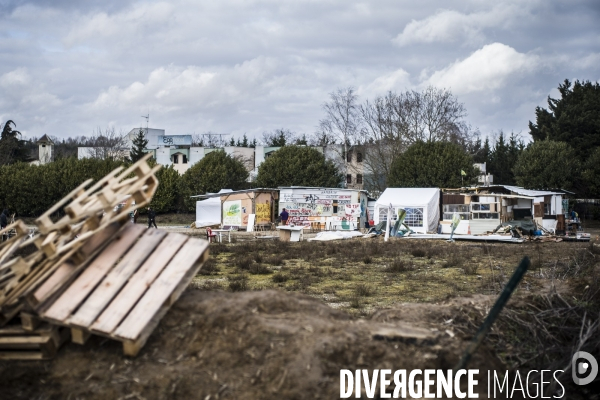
(241, 333)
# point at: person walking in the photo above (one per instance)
(284, 217)
(4, 223)
(151, 218)
(4, 219)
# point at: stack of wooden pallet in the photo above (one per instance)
(94, 272)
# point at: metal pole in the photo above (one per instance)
(494, 312)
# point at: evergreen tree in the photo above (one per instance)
(139, 144)
(245, 141)
(574, 118)
(432, 164)
(216, 171)
(546, 164)
(298, 166)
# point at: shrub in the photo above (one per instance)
(418, 252)
(363, 290)
(209, 267)
(399, 265)
(259, 269)
(238, 283)
(243, 263)
(280, 278)
(470, 269)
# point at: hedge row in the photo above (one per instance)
(29, 190)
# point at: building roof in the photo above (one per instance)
(229, 191)
(528, 192)
(408, 196)
(319, 188)
(44, 139)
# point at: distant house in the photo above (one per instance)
(45, 150)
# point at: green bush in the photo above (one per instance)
(29, 190)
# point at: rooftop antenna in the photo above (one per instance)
(147, 120)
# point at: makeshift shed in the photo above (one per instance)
(208, 212)
(324, 208)
(421, 205)
(235, 207)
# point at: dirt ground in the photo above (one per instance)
(267, 320)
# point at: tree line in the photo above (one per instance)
(411, 139)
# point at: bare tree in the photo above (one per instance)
(108, 144)
(342, 122)
(395, 121)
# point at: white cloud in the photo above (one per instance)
(448, 26)
(486, 69)
(174, 88)
(398, 80)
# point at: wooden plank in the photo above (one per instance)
(23, 342)
(116, 278)
(79, 336)
(139, 283)
(163, 289)
(70, 299)
(35, 293)
(59, 275)
(29, 322)
(22, 355)
(132, 347)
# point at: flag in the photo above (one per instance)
(463, 173)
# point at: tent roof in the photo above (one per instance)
(407, 196)
(229, 191)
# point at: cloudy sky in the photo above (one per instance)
(250, 66)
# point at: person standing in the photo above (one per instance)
(151, 218)
(284, 217)
(4, 219)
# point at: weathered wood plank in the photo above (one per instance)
(132, 347)
(164, 289)
(72, 297)
(116, 278)
(139, 283)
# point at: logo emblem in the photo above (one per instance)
(583, 364)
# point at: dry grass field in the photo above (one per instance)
(364, 275)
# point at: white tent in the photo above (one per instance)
(208, 212)
(422, 207)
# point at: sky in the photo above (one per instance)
(70, 68)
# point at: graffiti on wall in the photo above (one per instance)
(263, 213)
(328, 208)
(232, 213)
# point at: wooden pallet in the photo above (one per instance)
(17, 343)
(65, 245)
(126, 289)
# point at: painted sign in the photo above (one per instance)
(353, 210)
(172, 140)
(263, 213)
(325, 208)
(232, 213)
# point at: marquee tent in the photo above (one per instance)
(421, 205)
(208, 212)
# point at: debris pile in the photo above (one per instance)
(92, 271)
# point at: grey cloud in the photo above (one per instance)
(250, 66)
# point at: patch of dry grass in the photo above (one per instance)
(363, 275)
